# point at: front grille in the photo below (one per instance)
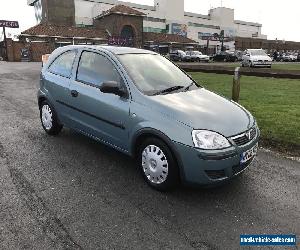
(215, 174)
(245, 138)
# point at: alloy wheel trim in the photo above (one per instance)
(155, 164)
(47, 117)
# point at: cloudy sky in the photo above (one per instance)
(280, 18)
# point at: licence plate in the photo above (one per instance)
(249, 154)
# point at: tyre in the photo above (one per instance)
(49, 119)
(158, 165)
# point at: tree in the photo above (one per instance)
(221, 39)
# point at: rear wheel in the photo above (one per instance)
(158, 165)
(49, 119)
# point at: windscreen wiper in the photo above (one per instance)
(188, 87)
(169, 90)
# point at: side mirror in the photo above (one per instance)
(112, 87)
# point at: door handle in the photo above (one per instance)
(74, 93)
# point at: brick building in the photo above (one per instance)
(121, 26)
(242, 43)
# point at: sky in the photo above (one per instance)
(280, 19)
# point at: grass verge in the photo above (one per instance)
(280, 66)
(275, 103)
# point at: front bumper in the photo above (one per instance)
(262, 64)
(207, 167)
(204, 59)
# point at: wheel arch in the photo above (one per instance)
(41, 99)
(145, 133)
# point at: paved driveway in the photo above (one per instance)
(69, 192)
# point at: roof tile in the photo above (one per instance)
(124, 10)
(166, 38)
(47, 29)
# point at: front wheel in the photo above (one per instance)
(158, 165)
(49, 119)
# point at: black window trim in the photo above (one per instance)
(110, 60)
(57, 74)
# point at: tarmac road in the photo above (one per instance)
(69, 192)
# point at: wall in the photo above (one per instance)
(247, 30)
(58, 12)
(36, 50)
(114, 24)
(242, 43)
(171, 10)
(222, 16)
(85, 11)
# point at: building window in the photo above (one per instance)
(82, 25)
(38, 11)
(155, 30)
(200, 25)
(153, 19)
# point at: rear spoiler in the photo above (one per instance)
(45, 59)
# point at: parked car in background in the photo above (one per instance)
(180, 56)
(197, 56)
(143, 105)
(298, 57)
(256, 58)
(286, 57)
(292, 57)
(225, 56)
(239, 55)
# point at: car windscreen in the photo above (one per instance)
(181, 52)
(152, 73)
(258, 53)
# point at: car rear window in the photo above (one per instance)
(63, 64)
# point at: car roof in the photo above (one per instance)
(113, 49)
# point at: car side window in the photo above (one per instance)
(95, 69)
(63, 64)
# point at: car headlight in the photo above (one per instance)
(205, 139)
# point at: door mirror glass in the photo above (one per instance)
(112, 87)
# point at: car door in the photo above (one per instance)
(104, 116)
(218, 57)
(56, 83)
